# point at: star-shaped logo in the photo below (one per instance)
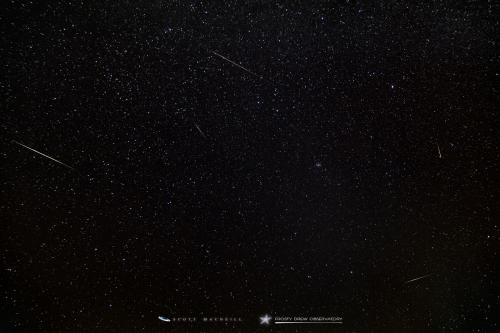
(265, 319)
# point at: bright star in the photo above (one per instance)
(265, 319)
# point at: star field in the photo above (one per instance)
(249, 159)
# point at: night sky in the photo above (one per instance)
(242, 158)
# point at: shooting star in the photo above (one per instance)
(439, 151)
(47, 156)
(199, 130)
(232, 62)
(419, 278)
(162, 318)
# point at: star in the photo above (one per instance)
(265, 319)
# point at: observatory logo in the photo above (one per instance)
(265, 319)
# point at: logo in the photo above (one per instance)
(265, 319)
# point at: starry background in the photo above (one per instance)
(359, 156)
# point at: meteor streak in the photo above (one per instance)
(236, 64)
(47, 156)
(421, 277)
(199, 130)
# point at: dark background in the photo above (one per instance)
(316, 187)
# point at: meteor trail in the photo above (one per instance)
(199, 130)
(47, 156)
(243, 68)
(421, 277)
(439, 151)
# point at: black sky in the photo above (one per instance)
(358, 156)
